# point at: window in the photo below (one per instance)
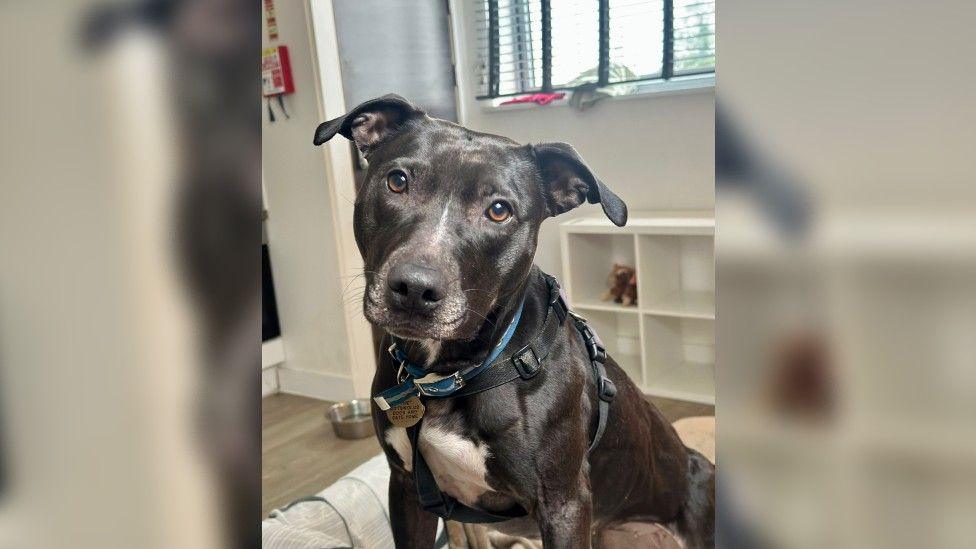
(527, 46)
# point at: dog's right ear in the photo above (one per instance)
(568, 182)
(369, 124)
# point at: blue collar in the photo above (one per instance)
(417, 381)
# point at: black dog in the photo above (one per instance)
(447, 221)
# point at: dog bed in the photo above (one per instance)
(353, 512)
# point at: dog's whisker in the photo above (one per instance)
(350, 288)
(476, 313)
(348, 284)
(353, 294)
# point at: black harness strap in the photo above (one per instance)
(523, 363)
(605, 389)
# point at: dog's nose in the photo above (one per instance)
(415, 286)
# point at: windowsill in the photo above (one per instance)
(675, 86)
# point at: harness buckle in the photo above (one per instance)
(434, 378)
(594, 349)
(607, 389)
(526, 362)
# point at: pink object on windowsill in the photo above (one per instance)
(537, 98)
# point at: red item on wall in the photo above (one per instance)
(276, 72)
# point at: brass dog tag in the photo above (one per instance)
(406, 414)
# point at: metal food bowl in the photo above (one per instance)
(351, 419)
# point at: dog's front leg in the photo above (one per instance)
(413, 528)
(565, 517)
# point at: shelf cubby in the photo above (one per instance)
(679, 357)
(666, 342)
(677, 275)
(591, 250)
(621, 335)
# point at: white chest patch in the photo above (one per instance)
(397, 438)
(457, 463)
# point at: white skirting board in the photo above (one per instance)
(269, 381)
(272, 353)
(272, 356)
(316, 384)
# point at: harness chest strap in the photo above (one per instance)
(523, 363)
(417, 382)
(501, 366)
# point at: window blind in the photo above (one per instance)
(527, 46)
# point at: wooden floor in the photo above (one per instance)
(301, 455)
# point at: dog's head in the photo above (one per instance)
(447, 218)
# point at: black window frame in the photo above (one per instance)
(603, 45)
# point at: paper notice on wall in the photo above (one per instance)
(272, 77)
(269, 16)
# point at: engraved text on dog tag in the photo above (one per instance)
(406, 414)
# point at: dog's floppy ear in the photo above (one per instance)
(369, 123)
(567, 182)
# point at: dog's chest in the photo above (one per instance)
(458, 463)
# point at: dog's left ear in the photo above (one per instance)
(567, 182)
(370, 123)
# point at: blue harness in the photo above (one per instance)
(495, 370)
(414, 381)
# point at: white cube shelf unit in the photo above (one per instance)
(666, 343)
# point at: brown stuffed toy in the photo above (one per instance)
(623, 285)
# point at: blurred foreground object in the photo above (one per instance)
(801, 378)
(129, 303)
(846, 376)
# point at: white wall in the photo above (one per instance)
(301, 238)
(655, 152)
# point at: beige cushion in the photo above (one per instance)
(356, 512)
(698, 433)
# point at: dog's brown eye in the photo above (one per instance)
(397, 181)
(498, 211)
